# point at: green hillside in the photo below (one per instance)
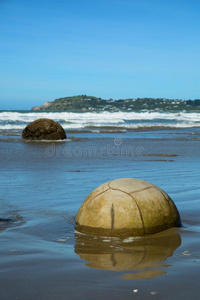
(91, 103)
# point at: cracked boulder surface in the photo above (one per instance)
(127, 207)
(43, 129)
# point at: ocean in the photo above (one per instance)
(42, 185)
(15, 121)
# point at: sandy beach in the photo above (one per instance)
(42, 187)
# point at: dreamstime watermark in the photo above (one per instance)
(116, 149)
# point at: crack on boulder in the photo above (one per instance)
(141, 217)
(112, 213)
(117, 189)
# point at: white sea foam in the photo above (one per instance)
(128, 120)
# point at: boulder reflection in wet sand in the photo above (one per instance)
(138, 254)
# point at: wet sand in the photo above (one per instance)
(42, 187)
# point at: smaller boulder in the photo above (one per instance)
(43, 129)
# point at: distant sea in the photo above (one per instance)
(13, 122)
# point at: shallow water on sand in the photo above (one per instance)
(41, 189)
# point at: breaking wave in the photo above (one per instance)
(17, 120)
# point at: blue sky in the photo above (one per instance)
(105, 48)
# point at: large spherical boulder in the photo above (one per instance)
(127, 207)
(43, 129)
